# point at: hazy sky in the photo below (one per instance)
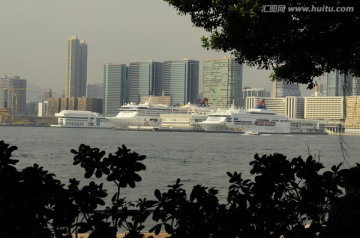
(34, 34)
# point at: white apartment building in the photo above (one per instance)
(253, 92)
(290, 107)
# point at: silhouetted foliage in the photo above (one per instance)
(344, 215)
(280, 199)
(283, 196)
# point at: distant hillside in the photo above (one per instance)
(35, 92)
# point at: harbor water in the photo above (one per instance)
(194, 157)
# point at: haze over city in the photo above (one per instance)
(35, 32)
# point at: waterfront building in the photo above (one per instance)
(255, 92)
(222, 82)
(76, 68)
(64, 104)
(13, 95)
(290, 107)
(308, 126)
(324, 108)
(95, 90)
(55, 105)
(145, 79)
(90, 104)
(31, 109)
(4, 115)
(352, 121)
(282, 89)
(116, 92)
(43, 108)
(181, 81)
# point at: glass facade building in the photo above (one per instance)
(222, 82)
(145, 79)
(95, 90)
(13, 95)
(76, 68)
(181, 81)
(283, 89)
(336, 85)
(115, 88)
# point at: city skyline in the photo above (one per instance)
(39, 57)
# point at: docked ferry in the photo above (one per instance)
(81, 119)
(258, 120)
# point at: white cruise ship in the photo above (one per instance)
(81, 119)
(258, 120)
(140, 116)
(186, 118)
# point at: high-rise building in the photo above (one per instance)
(115, 88)
(337, 86)
(222, 82)
(145, 79)
(13, 95)
(76, 68)
(181, 81)
(95, 90)
(282, 89)
(356, 86)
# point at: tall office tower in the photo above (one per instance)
(282, 89)
(76, 68)
(181, 81)
(95, 90)
(115, 88)
(13, 94)
(145, 79)
(336, 85)
(222, 82)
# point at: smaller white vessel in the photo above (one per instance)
(251, 133)
(81, 119)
